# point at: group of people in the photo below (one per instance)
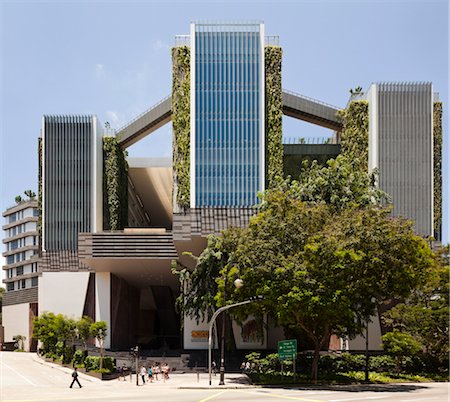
(245, 367)
(154, 371)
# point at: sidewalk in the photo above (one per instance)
(177, 380)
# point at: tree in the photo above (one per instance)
(198, 291)
(44, 329)
(323, 251)
(65, 329)
(425, 316)
(83, 327)
(99, 331)
(18, 199)
(400, 345)
(321, 270)
(20, 340)
(30, 194)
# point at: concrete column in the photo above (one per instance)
(103, 302)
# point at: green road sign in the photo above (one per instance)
(287, 349)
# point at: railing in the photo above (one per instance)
(273, 40)
(142, 114)
(310, 140)
(182, 40)
(109, 132)
(310, 99)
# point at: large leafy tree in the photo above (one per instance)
(324, 272)
(323, 251)
(425, 316)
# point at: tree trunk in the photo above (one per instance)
(315, 363)
(101, 356)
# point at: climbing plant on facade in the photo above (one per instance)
(355, 132)
(39, 223)
(437, 148)
(181, 124)
(115, 185)
(274, 114)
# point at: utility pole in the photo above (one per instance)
(213, 319)
(135, 353)
(366, 371)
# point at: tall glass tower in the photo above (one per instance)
(227, 114)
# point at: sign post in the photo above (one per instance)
(287, 350)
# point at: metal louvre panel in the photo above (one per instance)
(120, 245)
(68, 142)
(405, 150)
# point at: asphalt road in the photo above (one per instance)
(24, 379)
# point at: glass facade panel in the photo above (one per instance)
(227, 114)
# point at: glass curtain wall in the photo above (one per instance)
(227, 114)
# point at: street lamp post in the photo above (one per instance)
(211, 324)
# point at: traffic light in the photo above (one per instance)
(134, 351)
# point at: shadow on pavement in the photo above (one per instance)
(243, 380)
(359, 387)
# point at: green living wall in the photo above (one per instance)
(274, 114)
(39, 224)
(181, 124)
(355, 132)
(115, 185)
(437, 148)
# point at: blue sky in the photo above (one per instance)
(112, 59)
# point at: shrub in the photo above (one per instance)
(92, 363)
(78, 357)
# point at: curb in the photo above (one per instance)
(66, 370)
(218, 387)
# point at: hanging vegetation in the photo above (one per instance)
(355, 132)
(181, 124)
(115, 185)
(437, 150)
(274, 114)
(39, 224)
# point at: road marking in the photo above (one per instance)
(361, 398)
(20, 375)
(295, 398)
(212, 396)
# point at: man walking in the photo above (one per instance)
(75, 378)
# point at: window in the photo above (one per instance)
(34, 281)
(19, 271)
(35, 240)
(22, 284)
(35, 212)
(10, 286)
(10, 259)
(34, 267)
(12, 218)
(10, 273)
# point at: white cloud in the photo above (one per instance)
(99, 69)
(159, 44)
(114, 119)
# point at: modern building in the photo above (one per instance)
(111, 228)
(21, 246)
